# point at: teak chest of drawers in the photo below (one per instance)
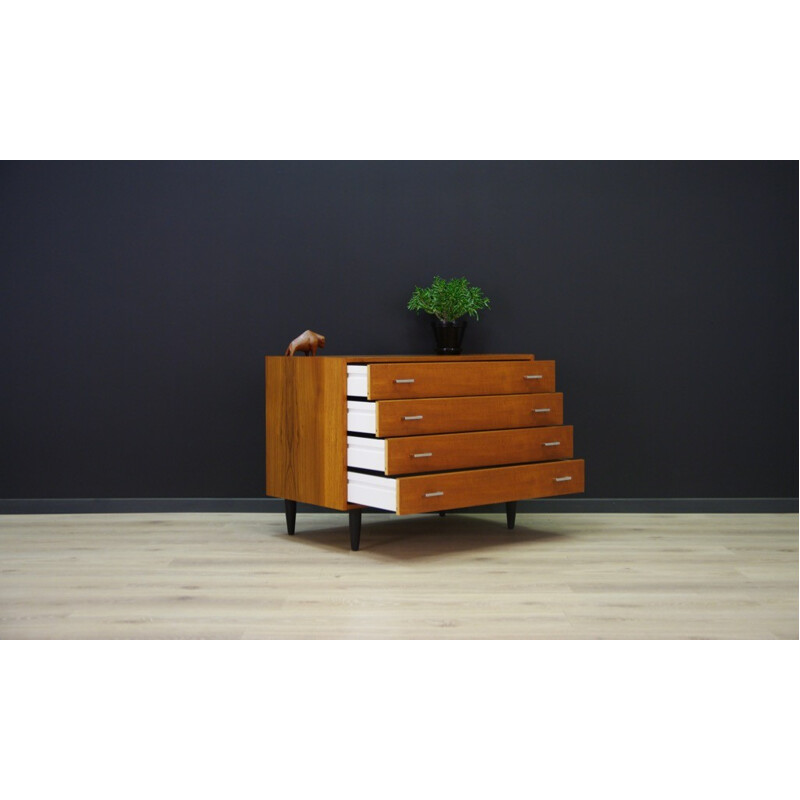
(415, 434)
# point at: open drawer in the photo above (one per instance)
(398, 381)
(447, 451)
(454, 414)
(439, 491)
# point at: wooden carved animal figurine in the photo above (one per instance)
(307, 342)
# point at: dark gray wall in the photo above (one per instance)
(137, 301)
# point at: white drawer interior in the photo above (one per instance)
(366, 453)
(372, 490)
(357, 380)
(360, 416)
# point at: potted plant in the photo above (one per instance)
(448, 302)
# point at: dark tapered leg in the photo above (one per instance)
(441, 513)
(511, 515)
(355, 529)
(290, 507)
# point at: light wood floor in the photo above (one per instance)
(559, 576)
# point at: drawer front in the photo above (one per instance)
(396, 381)
(455, 414)
(444, 490)
(413, 454)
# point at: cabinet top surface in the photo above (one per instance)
(403, 359)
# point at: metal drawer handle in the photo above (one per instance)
(540, 410)
(550, 444)
(433, 494)
(404, 380)
(417, 416)
(567, 478)
(422, 455)
(532, 377)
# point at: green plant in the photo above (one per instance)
(448, 300)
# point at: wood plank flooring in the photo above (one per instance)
(556, 576)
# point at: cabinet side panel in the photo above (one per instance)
(306, 407)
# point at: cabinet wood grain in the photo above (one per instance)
(306, 420)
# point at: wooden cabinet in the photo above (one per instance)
(414, 434)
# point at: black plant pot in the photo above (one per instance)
(449, 336)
